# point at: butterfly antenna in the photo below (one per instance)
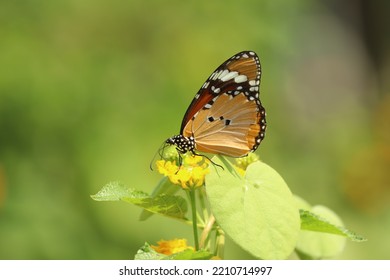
(160, 152)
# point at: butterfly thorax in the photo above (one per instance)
(183, 144)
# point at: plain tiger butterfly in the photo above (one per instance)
(226, 116)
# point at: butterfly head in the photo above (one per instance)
(182, 144)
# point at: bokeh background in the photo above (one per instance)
(90, 89)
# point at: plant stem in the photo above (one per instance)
(220, 246)
(194, 218)
(206, 231)
(203, 204)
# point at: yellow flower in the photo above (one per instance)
(166, 167)
(192, 160)
(240, 170)
(243, 162)
(190, 174)
(169, 247)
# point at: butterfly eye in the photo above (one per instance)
(226, 116)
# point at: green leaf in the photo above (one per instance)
(318, 238)
(191, 255)
(322, 234)
(167, 205)
(313, 222)
(322, 219)
(257, 211)
(164, 187)
(148, 253)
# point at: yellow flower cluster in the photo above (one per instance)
(169, 247)
(243, 162)
(189, 175)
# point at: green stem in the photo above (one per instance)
(220, 246)
(194, 218)
(206, 231)
(203, 204)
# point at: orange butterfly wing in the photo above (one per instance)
(226, 116)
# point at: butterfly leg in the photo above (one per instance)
(215, 164)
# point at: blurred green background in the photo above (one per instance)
(90, 89)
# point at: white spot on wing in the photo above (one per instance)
(252, 83)
(223, 74)
(228, 76)
(241, 79)
(215, 75)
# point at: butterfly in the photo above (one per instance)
(226, 116)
